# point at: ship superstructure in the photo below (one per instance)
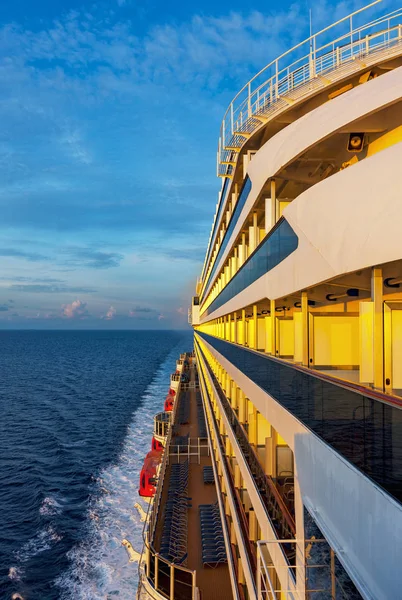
(297, 369)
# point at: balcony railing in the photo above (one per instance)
(362, 428)
(308, 65)
(281, 519)
(322, 577)
(162, 424)
(168, 579)
(243, 534)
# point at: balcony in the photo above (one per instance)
(277, 245)
(280, 515)
(321, 577)
(362, 428)
(161, 426)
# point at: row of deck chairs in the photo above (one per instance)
(183, 416)
(174, 534)
(208, 474)
(213, 544)
(202, 428)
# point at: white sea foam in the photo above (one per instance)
(43, 540)
(99, 565)
(50, 506)
(15, 573)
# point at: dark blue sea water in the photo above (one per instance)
(76, 422)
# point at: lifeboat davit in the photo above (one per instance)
(156, 445)
(149, 473)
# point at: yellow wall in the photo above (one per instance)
(336, 340)
(397, 349)
(240, 332)
(282, 205)
(388, 139)
(261, 334)
(366, 342)
(286, 337)
(298, 337)
(250, 333)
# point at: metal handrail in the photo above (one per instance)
(329, 56)
(150, 551)
(271, 492)
(273, 499)
(329, 587)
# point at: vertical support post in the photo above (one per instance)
(194, 584)
(252, 235)
(243, 319)
(255, 328)
(171, 582)
(268, 222)
(274, 211)
(253, 526)
(273, 329)
(351, 35)
(276, 79)
(244, 248)
(235, 328)
(304, 308)
(377, 298)
(259, 595)
(333, 580)
(156, 571)
(147, 555)
(268, 455)
(255, 229)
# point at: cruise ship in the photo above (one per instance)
(275, 471)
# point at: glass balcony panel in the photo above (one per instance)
(276, 246)
(232, 223)
(364, 430)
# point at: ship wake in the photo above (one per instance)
(99, 567)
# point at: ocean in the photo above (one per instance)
(76, 423)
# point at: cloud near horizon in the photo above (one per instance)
(76, 310)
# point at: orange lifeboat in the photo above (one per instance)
(156, 445)
(169, 402)
(148, 474)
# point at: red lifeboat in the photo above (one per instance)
(172, 392)
(156, 445)
(169, 402)
(148, 474)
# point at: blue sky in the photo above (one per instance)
(109, 118)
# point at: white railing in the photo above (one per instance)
(319, 577)
(296, 69)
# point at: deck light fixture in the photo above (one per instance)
(356, 141)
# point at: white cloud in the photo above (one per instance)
(75, 310)
(111, 313)
(95, 56)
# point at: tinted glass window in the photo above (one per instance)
(366, 431)
(232, 223)
(277, 245)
